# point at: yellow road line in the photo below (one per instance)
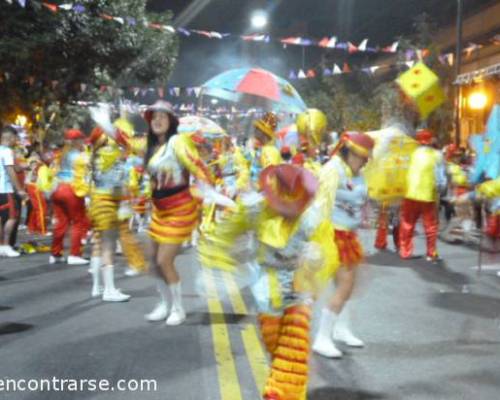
(253, 347)
(226, 368)
(234, 294)
(256, 356)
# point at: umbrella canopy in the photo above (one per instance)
(256, 87)
(288, 136)
(205, 126)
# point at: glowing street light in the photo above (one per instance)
(477, 100)
(258, 19)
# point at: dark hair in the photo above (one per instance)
(8, 129)
(344, 152)
(152, 139)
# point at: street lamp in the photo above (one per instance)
(477, 100)
(258, 19)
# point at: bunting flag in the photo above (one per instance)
(197, 91)
(329, 43)
(311, 73)
(336, 70)
(301, 75)
(22, 3)
(362, 45)
(161, 92)
(83, 87)
(346, 69)
(351, 48)
(51, 7)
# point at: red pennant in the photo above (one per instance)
(51, 7)
(106, 16)
(156, 26)
(311, 73)
(351, 48)
(161, 92)
(346, 69)
(102, 88)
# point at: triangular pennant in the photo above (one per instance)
(177, 91)
(120, 20)
(171, 92)
(189, 91)
(169, 28)
(78, 8)
(292, 75)
(346, 69)
(409, 54)
(410, 64)
(102, 88)
(161, 92)
(374, 68)
(323, 42)
(351, 48)
(51, 7)
(9, 1)
(301, 75)
(136, 91)
(184, 31)
(362, 45)
(311, 73)
(22, 3)
(336, 70)
(54, 84)
(131, 21)
(197, 91)
(66, 7)
(83, 87)
(144, 92)
(327, 72)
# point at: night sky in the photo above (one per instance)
(381, 21)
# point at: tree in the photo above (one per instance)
(49, 60)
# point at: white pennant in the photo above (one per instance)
(119, 20)
(177, 91)
(332, 42)
(197, 91)
(336, 69)
(410, 64)
(301, 75)
(169, 28)
(374, 68)
(66, 7)
(362, 45)
(83, 87)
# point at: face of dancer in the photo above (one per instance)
(160, 123)
(260, 138)
(356, 162)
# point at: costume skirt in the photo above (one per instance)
(349, 248)
(174, 218)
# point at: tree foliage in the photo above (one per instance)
(46, 56)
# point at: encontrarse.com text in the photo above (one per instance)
(77, 385)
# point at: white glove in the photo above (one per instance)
(101, 116)
(124, 211)
(211, 196)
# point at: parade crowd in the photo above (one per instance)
(288, 215)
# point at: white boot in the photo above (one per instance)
(342, 331)
(110, 292)
(177, 315)
(95, 270)
(323, 343)
(160, 311)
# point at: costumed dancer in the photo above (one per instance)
(110, 207)
(38, 214)
(459, 217)
(341, 177)
(293, 260)
(426, 178)
(68, 199)
(263, 154)
(311, 127)
(170, 159)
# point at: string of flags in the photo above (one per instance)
(330, 42)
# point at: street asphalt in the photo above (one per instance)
(432, 331)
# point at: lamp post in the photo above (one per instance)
(458, 64)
